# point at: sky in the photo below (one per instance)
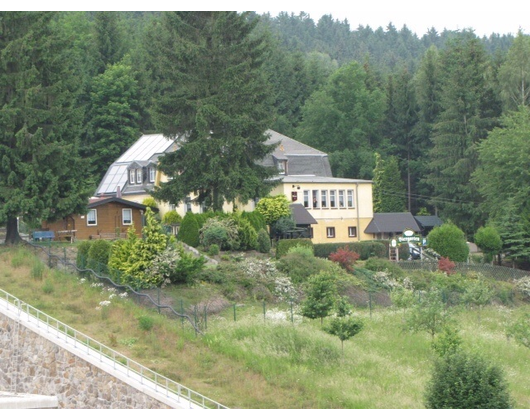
(482, 22)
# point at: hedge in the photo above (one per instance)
(365, 249)
(283, 245)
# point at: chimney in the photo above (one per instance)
(118, 192)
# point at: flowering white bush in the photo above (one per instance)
(523, 285)
(385, 280)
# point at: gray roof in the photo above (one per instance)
(321, 180)
(147, 148)
(392, 223)
(301, 215)
(429, 221)
(301, 158)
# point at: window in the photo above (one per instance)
(351, 202)
(315, 199)
(152, 174)
(352, 231)
(341, 199)
(306, 198)
(188, 204)
(138, 176)
(126, 216)
(131, 176)
(324, 195)
(330, 232)
(92, 217)
(332, 200)
(280, 165)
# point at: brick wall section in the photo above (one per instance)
(31, 364)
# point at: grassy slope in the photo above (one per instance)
(253, 363)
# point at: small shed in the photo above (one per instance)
(107, 218)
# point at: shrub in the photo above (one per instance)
(213, 250)
(272, 208)
(284, 245)
(466, 381)
(345, 258)
(446, 266)
(256, 220)
(281, 226)
(150, 202)
(300, 266)
(299, 249)
(82, 254)
(246, 234)
(189, 230)
(222, 232)
(449, 241)
(173, 265)
(145, 322)
(263, 242)
(171, 218)
(489, 241)
(383, 265)
(98, 255)
(365, 249)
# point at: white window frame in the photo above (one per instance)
(324, 198)
(132, 176)
(352, 231)
(315, 196)
(123, 217)
(139, 176)
(342, 200)
(88, 219)
(152, 174)
(333, 199)
(306, 199)
(350, 198)
(330, 232)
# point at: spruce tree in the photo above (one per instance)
(41, 175)
(212, 96)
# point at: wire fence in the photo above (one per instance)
(197, 315)
(495, 272)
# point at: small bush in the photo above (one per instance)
(365, 249)
(345, 258)
(145, 322)
(171, 218)
(300, 266)
(284, 245)
(221, 231)
(48, 288)
(82, 254)
(446, 266)
(263, 242)
(189, 230)
(98, 255)
(213, 250)
(466, 381)
(37, 269)
(449, 241)
(383, 265)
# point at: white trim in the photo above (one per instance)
(95, 217)
(123, 217)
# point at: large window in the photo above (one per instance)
(306, 198)
(127, 216)
(342, 203)
(351, 201)
(92, 217)
(330, 231)
(138, 176)
(315, 199)
(324, 196)
(332, 199)
(131, 176)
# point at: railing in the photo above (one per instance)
(120, 363)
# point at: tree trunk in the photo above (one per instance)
(12, 236)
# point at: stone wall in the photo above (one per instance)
(31, 364)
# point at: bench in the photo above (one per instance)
(43, 235)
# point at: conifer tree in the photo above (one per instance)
(207, 73)
(41, 175)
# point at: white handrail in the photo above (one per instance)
(147, 379)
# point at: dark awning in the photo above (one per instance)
(301, 215)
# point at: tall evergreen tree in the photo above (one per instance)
(113, 124)
(428, 92)
(514, 74)
(207, 69)
(401, 119)
(389, 190)
(465, 118)
(109, 39)
(41, 175)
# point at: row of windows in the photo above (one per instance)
(333, 199)
(92, 217)
(352, 232)
(135, 175)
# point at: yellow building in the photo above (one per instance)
(342, 208)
